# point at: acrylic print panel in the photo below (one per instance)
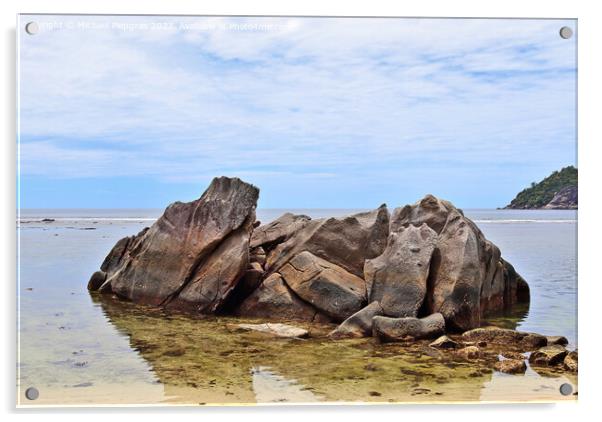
(200, 216)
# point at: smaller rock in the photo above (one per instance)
(470, 352)
(560, 340)
(506, 337)
(96, 280)
(548, 356)
(511, 366)
(276, 329)
(396, 329)
(513, 355)
(358, 324)
(444, 342)
(571, 361)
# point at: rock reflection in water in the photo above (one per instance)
(205, 360)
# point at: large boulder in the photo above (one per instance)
(273, 299)
(359, 324)
(398, 329)
(397, 279)
(334, 291)
(193, 255)
(468, 278)
(346, 241)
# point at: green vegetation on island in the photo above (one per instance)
(557, 191)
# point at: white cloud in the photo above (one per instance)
(319, 97)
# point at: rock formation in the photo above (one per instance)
(397, 278)
(192, 256)
(394, 329)
(423, 269)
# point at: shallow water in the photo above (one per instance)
(78, 348)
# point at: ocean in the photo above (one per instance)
(77, 348)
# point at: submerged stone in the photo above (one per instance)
(276, 329)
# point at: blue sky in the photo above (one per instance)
(131, 112)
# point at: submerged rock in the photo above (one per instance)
(358, 324)
(396, 329)
(397, 278)
(276, 329)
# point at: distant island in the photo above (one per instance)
(557, 191)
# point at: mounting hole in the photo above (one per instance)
(566, 32)
(32, 28)
(32, 393)
(566, 389)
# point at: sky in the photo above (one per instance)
(138, 112)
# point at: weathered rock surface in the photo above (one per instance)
(195, 252)
(548, 356)
(504, 336)
(397, 278)
(96, 280)
(328, 287)
(444, 342)
(571, 361)
(468, 278)
(346, 242)
(469, 352)
(278, 231)
(273, 299)
(395, 329)
(511, 366)
(276, 329)
(358, 324)
(509, 354)
(561, 340)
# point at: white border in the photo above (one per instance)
(590, 35)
